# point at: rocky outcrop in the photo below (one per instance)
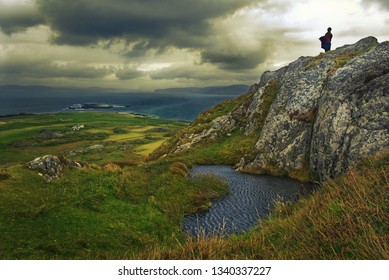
(330, 111)
(218, 127)
(51, 167)
(318, 114)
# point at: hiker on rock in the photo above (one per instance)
(326, 40)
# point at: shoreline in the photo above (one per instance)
(20, 115)
(77, 111)
(142, 115)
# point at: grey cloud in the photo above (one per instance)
(33, 68)
(17, 18)
(129, 73)
(238, 56)
(231, 60)
(182, 72)
(203, 73)
(160, 22)
(141, 48)
(383, 3)
(135, 29)
(146, 25)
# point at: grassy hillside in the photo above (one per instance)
(114, 207)
(121, 206)
(344, 219)
(125, 137)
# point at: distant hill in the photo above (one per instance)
(42, 89)
(175, 103)
(225, 90)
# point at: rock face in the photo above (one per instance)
(321, 114)
(50, 166)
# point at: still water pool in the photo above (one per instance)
(251, 198)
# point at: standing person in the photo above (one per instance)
(326, 40)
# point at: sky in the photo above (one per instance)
(149, 44)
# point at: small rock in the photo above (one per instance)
(95, 148)
(48, 134)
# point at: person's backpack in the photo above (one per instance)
(322, 41)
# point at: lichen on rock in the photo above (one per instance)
(51, 167)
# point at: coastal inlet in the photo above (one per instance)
(251, 198)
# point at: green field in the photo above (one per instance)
(125, 204)
(114, 207)
(125, 137)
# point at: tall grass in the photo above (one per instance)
(99, 212)
(115, 209)
(344, 219)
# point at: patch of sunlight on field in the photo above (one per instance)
(148, 148)
(134, 133)
(143, 128)
(99, 130)
(17, 131)
(125, 137)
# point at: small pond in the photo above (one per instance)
(251, 198)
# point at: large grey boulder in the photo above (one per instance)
(329, 112)
(353, 117)
(51, 167)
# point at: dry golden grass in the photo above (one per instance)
(344, 219)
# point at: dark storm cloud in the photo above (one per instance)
(232, 60)
(202, 39)
(18, 18)
(143, 24)
(161, 23)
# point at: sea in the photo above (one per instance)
(175, 104)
